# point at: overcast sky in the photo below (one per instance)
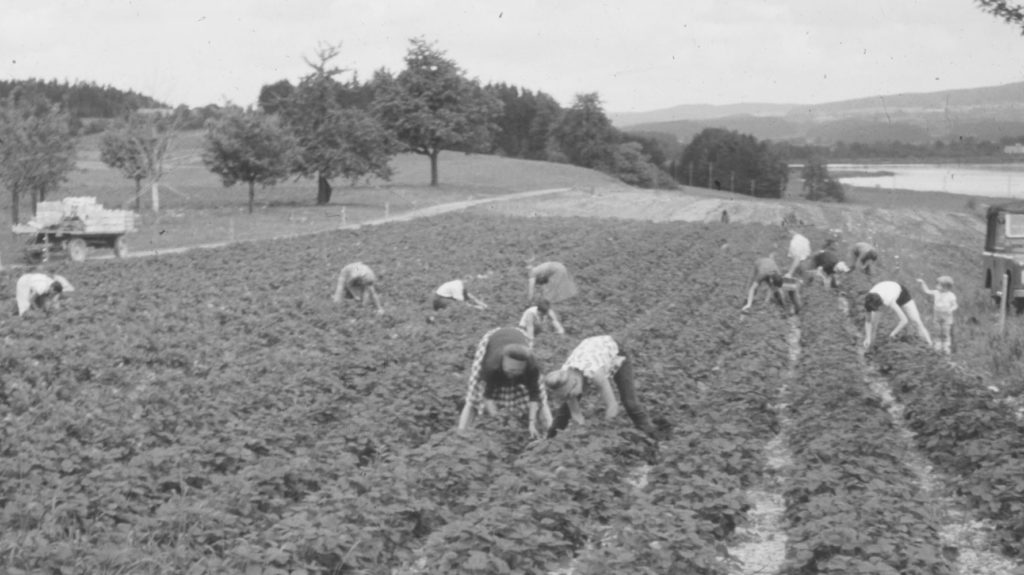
(639, 55)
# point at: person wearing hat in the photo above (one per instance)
(505, 374)
(356, 281)
(895, 297)
(943, 308)
(766, 272)
(553, 282)
(863, 254)
(536, 317)
(595, 363)
(40, 291)
(455, 291)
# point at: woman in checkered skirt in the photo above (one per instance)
(505, 375)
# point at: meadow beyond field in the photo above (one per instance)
(196, 209)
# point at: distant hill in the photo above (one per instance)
(990, 113)
(699, 112)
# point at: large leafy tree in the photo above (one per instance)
(37, 150)
(274, 97)
(585, 134)
(819, 185)
(1011, 12)
(139, 146)
(432, 106)
(724, 159)
(118, 150)
(248, 146)
(526, 122)
(335, 139)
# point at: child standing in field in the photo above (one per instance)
(945, 305)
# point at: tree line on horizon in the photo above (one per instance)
(325, 128)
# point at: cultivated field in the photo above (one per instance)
(214, 412)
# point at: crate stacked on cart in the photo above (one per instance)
(74, 225)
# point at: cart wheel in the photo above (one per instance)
(120, 247)
(77, 249)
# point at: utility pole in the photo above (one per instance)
(711, 171)
(732, 182)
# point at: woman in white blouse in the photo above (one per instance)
(895, 297)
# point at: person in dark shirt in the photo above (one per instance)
(505, 374)
(825, 265)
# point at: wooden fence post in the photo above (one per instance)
(1005, 302)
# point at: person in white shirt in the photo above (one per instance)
(455, 291)
(356, 281)
(536, 317)
(944, 306)
(799, 250)
(40, 291)
(896, 297)
(596, 362)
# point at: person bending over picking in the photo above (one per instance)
(896, 297)
(553, 282)
(505, 375)
(40, 291)
(799, 250)
(943, 310)
(595, 362)
(455, 291)
(356, 281)
(826, 265)
(863, 255)
(766, 272)
(536, 317)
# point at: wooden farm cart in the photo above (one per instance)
(74, 225)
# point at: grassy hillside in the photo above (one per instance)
(197, 209)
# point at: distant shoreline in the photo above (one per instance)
(945, 201)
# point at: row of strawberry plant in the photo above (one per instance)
(697, 478)
(967, 432)
(965, 428)
(180, 406)
(852, 503)
(490, 535)
(580, 455)
(720, 415)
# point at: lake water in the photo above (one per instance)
(999, 180)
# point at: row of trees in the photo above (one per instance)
(727, 160)
(327, 128)
(940, 150)
(37, 150)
